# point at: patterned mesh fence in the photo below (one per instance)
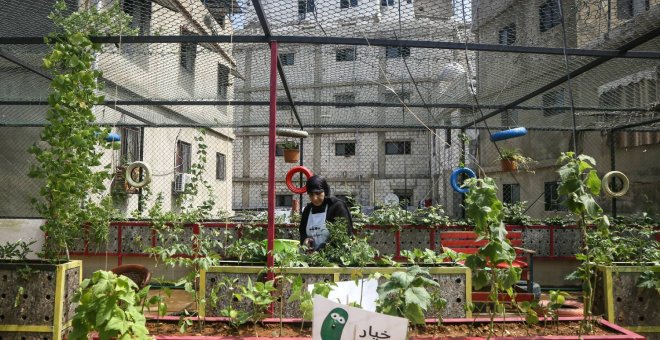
(389, 91)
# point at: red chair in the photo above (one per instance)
(137, 273)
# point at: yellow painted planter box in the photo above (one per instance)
(36, 298)
(455, 285)
(621, 302)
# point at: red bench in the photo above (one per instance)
(466, 242)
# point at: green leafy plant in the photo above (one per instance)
(438, 304)
(300, 293)
(260, 295)
(73, 193)
(432, 216)
(230, 286)
(110, 305)
(515, 155)
(289, 144)
(342, 249)
(426, 256)
(17, 250)
(557, 299)
(483, 207)
(405, 294)
(580, 184)
(391, 215)
(623, 243)
(514, 214)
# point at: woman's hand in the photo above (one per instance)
(308, 245)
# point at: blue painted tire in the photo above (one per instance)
(506, 134)
(112, 137)
(454, 179)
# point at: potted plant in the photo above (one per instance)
(291, 151)
(512, 159)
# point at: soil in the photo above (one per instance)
(445, 330)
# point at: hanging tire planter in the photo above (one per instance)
(289, 179)
(453, 180)
(507, 134)
(605, 183)
(146, 174)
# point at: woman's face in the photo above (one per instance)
(317, 198)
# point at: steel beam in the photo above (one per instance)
(430, 44)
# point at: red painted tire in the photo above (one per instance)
(568, 308)
(289, 177)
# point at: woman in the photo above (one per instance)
(323, 208)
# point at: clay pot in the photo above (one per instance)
(291, 155)
(509, 165)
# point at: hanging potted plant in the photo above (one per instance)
(512, 159)
(291, 151)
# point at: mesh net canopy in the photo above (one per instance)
(348, 63)
(351, 66)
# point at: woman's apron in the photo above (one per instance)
(316, 228)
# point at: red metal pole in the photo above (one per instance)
(271, 157)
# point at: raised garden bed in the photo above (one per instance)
(450, 329)
(36, 298)
(456, 283)
(620, 301)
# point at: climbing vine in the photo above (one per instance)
(70, 161)
(580, 185)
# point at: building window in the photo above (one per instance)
(140, 12)
(397, 148)
(346, 54)
(188, 53)
(511, 193)
(390, 97)
(626, 9)
(387, 3)
(550, 102)
(219, 166)
(223, 81)
(507, 35)
(183, 157)
(405, 197)
(279, 151)
(284, 200)
(345, 149)
(392, 52)
(304, 7)
(130, 145)
(287, 59)
(552, 198)
(348, 3)
(344, 100)
(549, 15)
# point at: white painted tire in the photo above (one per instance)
(146, 174)
(284, 132)
(606, 184)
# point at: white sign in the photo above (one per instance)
(333, 321)
(347, 292)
